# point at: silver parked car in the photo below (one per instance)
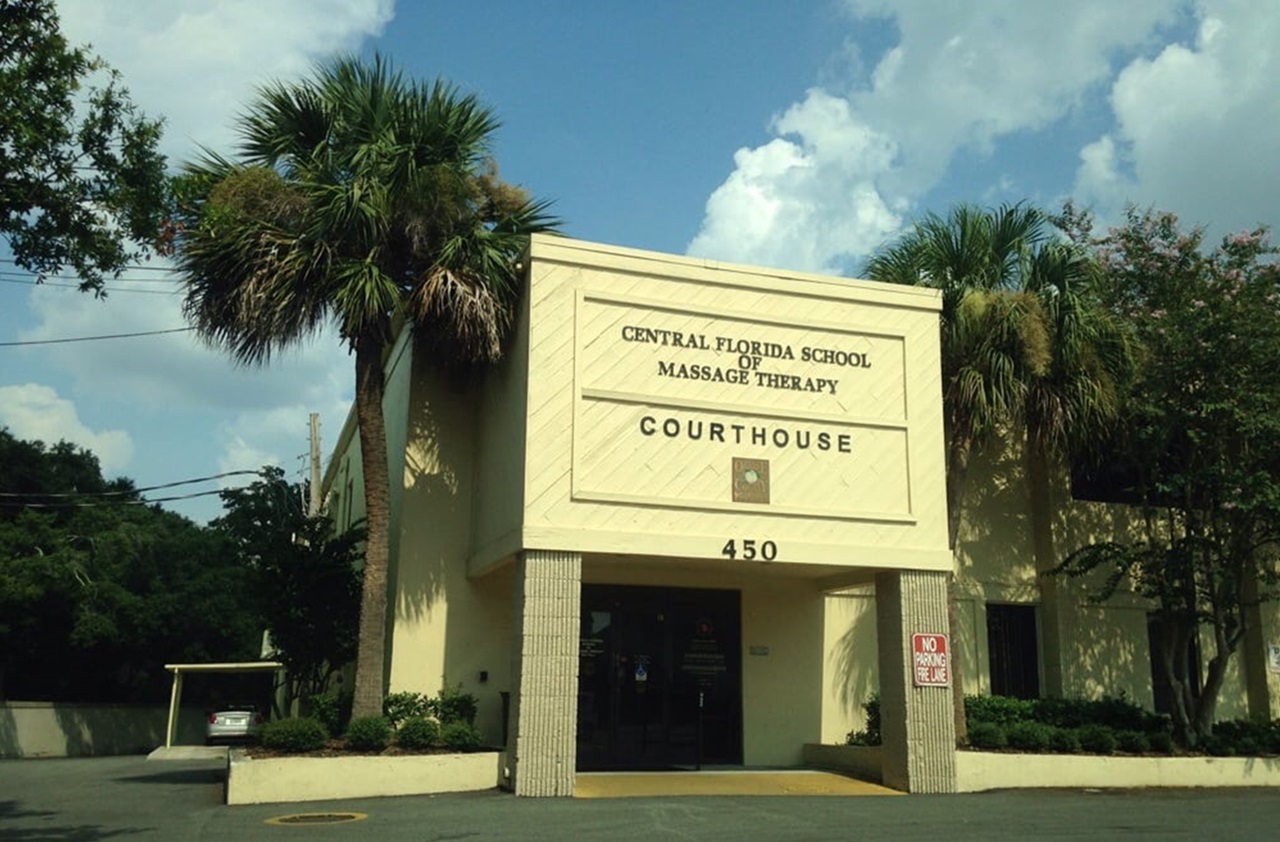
(233, 723)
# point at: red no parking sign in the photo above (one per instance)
(931, 663)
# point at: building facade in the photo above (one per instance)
(697, 517)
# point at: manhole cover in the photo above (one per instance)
(317, 818)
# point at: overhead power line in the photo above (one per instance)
(135, 268)
(96, 338)
(97, 503)
(46, 280)
(111, 289)
(173, 484)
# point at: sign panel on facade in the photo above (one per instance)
(930, 660)
(696, 409)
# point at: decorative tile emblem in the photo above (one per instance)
(750, 480)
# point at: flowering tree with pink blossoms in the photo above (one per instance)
(1199, 448)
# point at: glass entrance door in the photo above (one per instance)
(659, 678)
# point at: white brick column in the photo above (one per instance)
(542, 750)
(917, 724)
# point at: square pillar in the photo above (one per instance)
(542, 751)
(918, 733)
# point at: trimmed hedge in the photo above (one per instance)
(987, 735)
(294, 735)
(1030, 736)
(418, 732)
(1097, 739)
(459, 736)
(368, 733)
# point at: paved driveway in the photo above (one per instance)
(83, 800)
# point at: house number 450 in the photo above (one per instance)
(751, 549)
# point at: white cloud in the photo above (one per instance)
(1197, 126)
(196, 62)
(34, 412)
(776, 208)
(846, 163)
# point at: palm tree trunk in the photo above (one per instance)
(371, 645)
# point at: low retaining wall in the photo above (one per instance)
(860, 761)
(977, 771)
(56, 729)
(270, 780)
(980, 770)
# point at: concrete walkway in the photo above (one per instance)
(751, 782)
(189, 753)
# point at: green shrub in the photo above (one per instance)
(459, 736)
(1029, 736)
(397, 707)
(368, 733)
(1161, 742)
(1097, 739)
(332, 709)
(998, 710)
(1064, 741)
(453, 705)
(1248, 737)
(418, 732)
(1114, 712)
(1133, 742)
(872, 708)
(987, 735)
(1273, 738)
(870, 736)
(1220, 745)
(294, 735)
(1060, 713)
(1120, 714)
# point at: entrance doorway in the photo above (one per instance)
(659, 678)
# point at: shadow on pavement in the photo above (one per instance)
(47, 832)
(179, 776)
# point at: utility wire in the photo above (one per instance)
(95, 338)
(111, 289)
(174, 484)
(93, 504)
(138, 267)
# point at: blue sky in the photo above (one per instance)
(800, 135)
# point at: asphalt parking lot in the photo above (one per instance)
(81, 800)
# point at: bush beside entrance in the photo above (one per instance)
(1093, 726)
(413, 723)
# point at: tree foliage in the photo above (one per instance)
(82, 181)
(363, 199)
(305, 579)
(995, 332)
(98, 591)
(1196, 447)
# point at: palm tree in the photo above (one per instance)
(995, 334)
(1025, 346)
(363, 199)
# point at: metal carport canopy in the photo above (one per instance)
(176, 694)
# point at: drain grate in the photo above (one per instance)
(316, 818)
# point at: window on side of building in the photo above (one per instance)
(1013, 650)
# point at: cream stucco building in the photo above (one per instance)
(697, 516)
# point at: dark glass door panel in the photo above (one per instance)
(659, 678)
